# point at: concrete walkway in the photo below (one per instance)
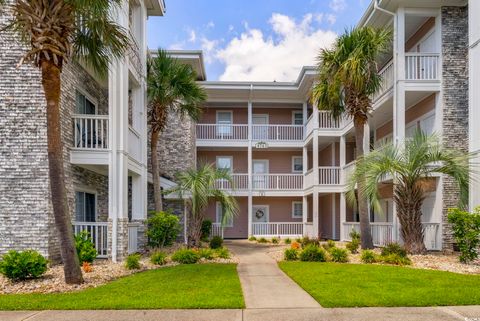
(264, 285)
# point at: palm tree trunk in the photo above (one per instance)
(51, 87)
(157, 190)
(194, 229)
(365, 233)
(409, 201)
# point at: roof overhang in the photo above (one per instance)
(155, 7)
(194, 58)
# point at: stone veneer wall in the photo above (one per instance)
(455, 99)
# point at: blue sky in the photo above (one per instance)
(253, 39)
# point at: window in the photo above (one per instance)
(224, 122)
(297, 209)
(297, 164)
(225, 162)
(85, 207)
(84, 105)
(297, 118)
(427, 125)
(219, 215)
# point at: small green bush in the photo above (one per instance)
(368, 256)
(216, 242)
(206, 230)
(163, 228)
(466, 229)
(330, 244)
(207, 254)
(338, 255)
(24, 265)
(354, 235)
(262, 240)
(186, 256)
(275, 240)
(288, 240)
(309, 241)
(290, 255)
(313, 253)
(223, 253)
(133, 261)
(353, 246)
(396, 259)
(85, 249)
(394, 248)
(158, 258)
(298, 240)
(252, 238)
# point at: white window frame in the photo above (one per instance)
(417, 121)
(293, 164)
(231, 162)
(218, 219)
(293, 209)
(89, 191)
(296, 112)
(84, 93)
(224, 129)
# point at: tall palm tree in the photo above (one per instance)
(171, 87)
(57, 32)
(199, 186)
(347, 78)
(409, 166)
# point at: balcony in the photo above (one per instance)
(422, 66)
(327, 175)
(213, 132)
(276, 133)
(387, 78)
(263, 182)
(90, 132)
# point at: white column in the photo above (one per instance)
(334, 216)
(250, 170)
(315, 214)
(304, 113)
(343, 215)
(342, 156)
(399, 87)
(315, 157)
(304, 214)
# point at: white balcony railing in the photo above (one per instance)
(347, 172)
(133, 237)
(238, 182)
(134, 144)
(277, 132)
(222, 132)
(277, 229)
(90, 131)
(309, 181)
(216, 230)
(432, 236)
(329, 175)
(277, 181)
(98, 232)
(326, 121)
(387, 76)
(422, 66)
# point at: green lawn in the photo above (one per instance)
(362, 285)
(179, 287)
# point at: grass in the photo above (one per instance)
(179, 287)
(362, 285)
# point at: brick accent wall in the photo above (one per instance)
(455, 99)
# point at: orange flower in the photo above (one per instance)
(87, 267)
(295, 245)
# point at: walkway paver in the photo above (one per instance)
(264, 284)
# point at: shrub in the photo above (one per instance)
(186, 256)
(207, 254)
(87, 267)
(354, 235)
(295, 245)
(290, 255)
(368, 256)
(133, 261)
(310, 241)
(252, 238)
(353, 245)
(288, 240)
(85, 250)
(206, 230)
(298, 240)
(329, 245)
(158, 258)
(394, 248)
(163, 228)
(275, 240)
(216, 242)
(223, 253)
(262, 240)
(466, 229)
(396, 259)
(312, 253)
(339, 255)
(28, 264)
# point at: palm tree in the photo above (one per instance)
(171, 87)
(57, 32)
(199, 186)
(347, 78)
(410, 166)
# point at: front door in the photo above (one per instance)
(260, 214)
(260, 174)
(260, 128)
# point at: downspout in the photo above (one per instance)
(376, 6)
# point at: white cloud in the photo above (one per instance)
(193, 36)
(331, 18)
(337, 5)
(209, 48)
(254, 56)
(210, 25)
